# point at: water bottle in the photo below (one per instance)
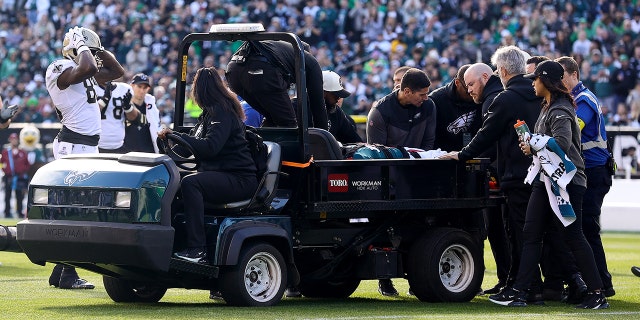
(522, 130)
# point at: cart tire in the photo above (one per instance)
(329, 289)
(259, 279)
(120, 290)
(445, 266)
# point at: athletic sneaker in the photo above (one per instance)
(594, 300)
(195, 255)
(292, 292)
(77, 284)
(496, 289)
(510, 297)
(609, 292)
(636, 271)
(215, 295)
(385, 287)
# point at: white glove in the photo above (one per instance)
(7, 112)
(76, 40)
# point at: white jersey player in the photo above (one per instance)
(115, 105)
(72, 83)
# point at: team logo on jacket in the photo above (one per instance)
(462, 123)
(338, 182)
(77, 176)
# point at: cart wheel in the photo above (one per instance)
(129, 291)
(259, 279)
(329, 289)
(445, 266)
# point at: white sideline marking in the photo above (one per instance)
(505, 316)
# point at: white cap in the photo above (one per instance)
(331, 83)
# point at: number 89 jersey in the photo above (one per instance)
(113, 116)
(76, 105)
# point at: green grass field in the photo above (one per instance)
(24, 294)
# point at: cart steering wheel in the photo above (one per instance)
(189, 162)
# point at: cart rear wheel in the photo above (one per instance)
(445, 266)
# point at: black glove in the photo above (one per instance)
(126, 102)
(108, 89)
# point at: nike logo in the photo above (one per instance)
(215, 122)
(560, 116)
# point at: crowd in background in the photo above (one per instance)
(364, 41)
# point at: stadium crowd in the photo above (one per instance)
(364, 41)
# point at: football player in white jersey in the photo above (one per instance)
(71, 84)
(141, 134)
(115, 105)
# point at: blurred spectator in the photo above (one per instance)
(622, 116)
(15, 166)
(145, 35)
(623, 79)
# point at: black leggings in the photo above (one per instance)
(214, 187)
(540, 218)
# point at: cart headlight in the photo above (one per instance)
(123, 199)
(40, 196)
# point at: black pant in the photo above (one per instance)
(517, 200)
(598, 185)
(263, 86)
(215, 187)
(498, 240)
(20, 186)
(540, 218)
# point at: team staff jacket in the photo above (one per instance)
(516, 102)
(558, 121)
(594, 134)
(342, 126)
(391, 124)
(454, 117)
(218, 141)
(283, 51)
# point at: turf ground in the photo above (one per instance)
(24, 294)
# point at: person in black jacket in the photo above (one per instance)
(227, 172)
(516, 102)
(458, 117)
(341, 125)
(261, 72)
(557, 121)
(405, 117)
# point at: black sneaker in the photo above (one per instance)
(552, 294)
(54, 278)
(594, 300)
(195, 255)
(292, 292)
(496, 289)
(215, 295)
(575, 291)
(636, 271)
(77, 284)
(609, 292)
(536, 299)
(385, 287)
(510, 297)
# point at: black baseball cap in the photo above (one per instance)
(549, 69)
(141, 78)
